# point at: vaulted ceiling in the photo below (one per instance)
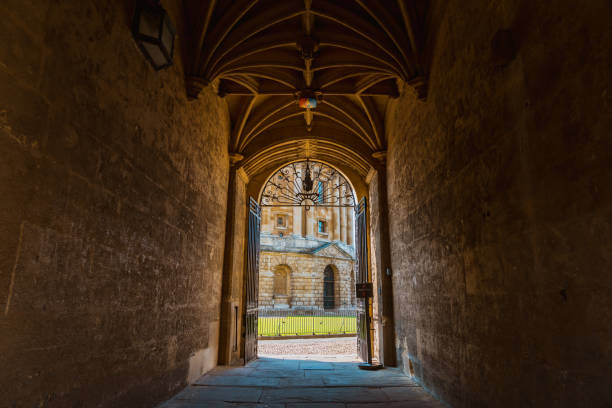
(347, 54)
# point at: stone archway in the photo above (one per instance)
(244, 183)
(307, 221)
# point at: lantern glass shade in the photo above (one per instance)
(307, 103)
(154, 33)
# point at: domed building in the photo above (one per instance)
(307, 253)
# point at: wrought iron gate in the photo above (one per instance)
(364, 345)
(252, 282)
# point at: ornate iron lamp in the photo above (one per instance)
(308, 99)
(307, 183)
(307, 103)
(154, 33)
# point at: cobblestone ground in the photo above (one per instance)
(344, 346)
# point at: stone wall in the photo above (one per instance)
(305, 280)
(112, 214)
(500, 196)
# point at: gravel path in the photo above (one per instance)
(345, 346)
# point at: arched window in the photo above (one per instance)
(329, 292)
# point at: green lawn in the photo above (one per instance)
(306, 325)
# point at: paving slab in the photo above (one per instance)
(217, 393)
(352, 381)
(231, 371)
(316, 365)
(278, 373)
(280, 364)
(318, 373)
(407, 394)
(397, 404)
(239, 381)
(302, 382)
(217, 404)
(325, 394)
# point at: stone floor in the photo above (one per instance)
(317, 382)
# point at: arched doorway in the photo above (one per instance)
(329, 293)
(307, 213)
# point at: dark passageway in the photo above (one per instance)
(136, 138)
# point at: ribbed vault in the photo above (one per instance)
(327, 151)
(262, 56)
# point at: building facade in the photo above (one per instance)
(307, 258)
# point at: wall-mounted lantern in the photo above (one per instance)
(154, 33)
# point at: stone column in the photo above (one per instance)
(297, 219)
(343, 218)
(336, 214)
(350, 217)
(309, 222)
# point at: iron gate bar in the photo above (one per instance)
(364, 321)
(252, 282)
(274, 322)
